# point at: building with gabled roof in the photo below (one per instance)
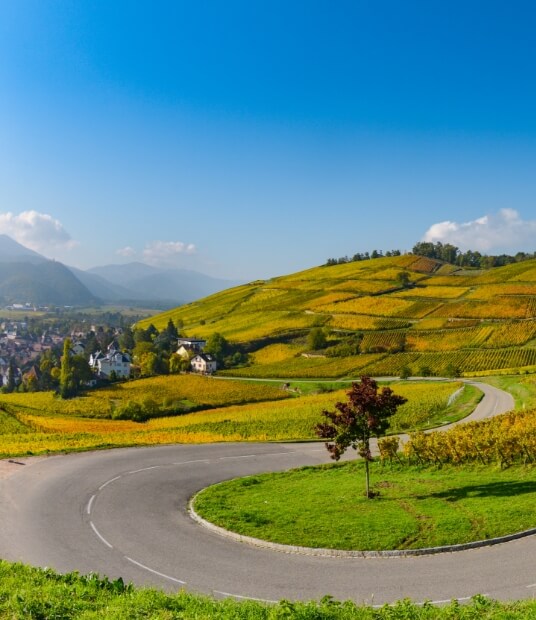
(113, 361)
(204, 363)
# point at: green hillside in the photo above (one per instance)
(381, 316)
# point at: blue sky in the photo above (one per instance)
(251, 139)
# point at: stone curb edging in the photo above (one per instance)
(340, 553)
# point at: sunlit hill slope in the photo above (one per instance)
(382, 317)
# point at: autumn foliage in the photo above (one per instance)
(364, 415)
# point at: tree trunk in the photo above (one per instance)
(367, 479)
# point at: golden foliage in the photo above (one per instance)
(504, 439)
(290, 419)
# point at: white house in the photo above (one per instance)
(204, 363)
(190, 346)
(113, 361)
(186, 351)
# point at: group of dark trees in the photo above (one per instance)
(154, 352)
(445, 252)
(361, 256)
(452, 254)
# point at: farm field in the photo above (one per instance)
(440, 309)
(463, 362)
(168, 392)
(503, 440)
(284, 419)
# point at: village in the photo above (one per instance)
(30, 361)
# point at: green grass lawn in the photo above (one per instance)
(417, 507)
(32, 593)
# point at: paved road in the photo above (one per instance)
(124, 513)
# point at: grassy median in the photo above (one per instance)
(415, 507)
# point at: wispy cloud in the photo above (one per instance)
(127, 252)
(166, 253)
(502, 231)
(37, 231)
(160, 253)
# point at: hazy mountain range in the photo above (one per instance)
(26, 276)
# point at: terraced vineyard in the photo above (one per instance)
(442, 320)
(35, 423)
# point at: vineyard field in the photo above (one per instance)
(164, 391)
(288, 419)
(361, 322)
(421, 298)
(309, 367)
(505, 439)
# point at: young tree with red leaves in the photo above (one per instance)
(353, 423)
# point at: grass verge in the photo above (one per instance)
(31, 593)
(417, 507)
(462, 406)
(523, 389)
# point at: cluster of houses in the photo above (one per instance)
(16, 343)
(193, 350)
(115, 362)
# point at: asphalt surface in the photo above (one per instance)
(124, 513)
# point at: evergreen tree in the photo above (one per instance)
(67, 379)
(126, 339)
(171, 330)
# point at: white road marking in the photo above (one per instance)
(439, 602)
(100, 535)
(279, 453)
(89, 504)
(137, 471)
(246, 598)
(108, 482)
(246, 456)
(532, 585)
(155, 572)
(448, 600)
(195, 461)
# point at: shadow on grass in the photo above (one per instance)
(493, 489)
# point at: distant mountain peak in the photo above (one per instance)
(11, 250)
(161, 284)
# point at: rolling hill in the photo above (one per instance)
(145, 282)
(445, 320)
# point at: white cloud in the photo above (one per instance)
(37, 231)
(160, 253)
(127, 252)
(165, 253)
(502, 231)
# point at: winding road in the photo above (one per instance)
(124, 513)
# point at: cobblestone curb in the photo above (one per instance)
(340, 553)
